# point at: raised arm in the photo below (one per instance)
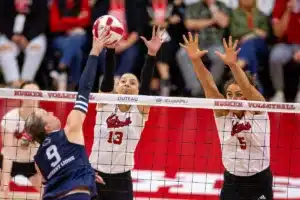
(153, 46)
(107, 85)
(230, 59)
(73, 128)
(204, 76)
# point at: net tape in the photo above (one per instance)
(181, 102)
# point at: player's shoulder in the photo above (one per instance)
(11, 120)
(12, 115)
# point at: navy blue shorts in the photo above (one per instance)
(76, 196)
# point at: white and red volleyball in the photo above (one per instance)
(116, 28)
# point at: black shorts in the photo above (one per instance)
(258, 186)
(117, 187)
(25, 169)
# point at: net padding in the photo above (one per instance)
(178, 155)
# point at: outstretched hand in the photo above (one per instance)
(191, 47)
(230, 55)
(100, 42)
(155, 42)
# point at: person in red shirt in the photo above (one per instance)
(286, 27)
(68, 20)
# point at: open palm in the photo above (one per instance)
(155, 42)
(191, 47)
(230, 55)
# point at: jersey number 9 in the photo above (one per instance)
(52, 154)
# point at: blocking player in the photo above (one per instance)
(244, 135)
(118, 127)
(61, 157)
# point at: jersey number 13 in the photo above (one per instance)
(115, 137)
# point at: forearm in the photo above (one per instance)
(86, 83)
(147, 74)
(107, 84)
(280, 26)
(240, 77)
(198, 24)
(206, 79)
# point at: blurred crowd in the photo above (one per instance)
(48, 41)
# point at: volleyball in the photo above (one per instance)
(116, 28)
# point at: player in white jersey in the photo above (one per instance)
(244, 135)
(18, 149)
(118, 128)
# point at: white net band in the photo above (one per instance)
(154, 101)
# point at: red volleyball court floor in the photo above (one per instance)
(178, 156)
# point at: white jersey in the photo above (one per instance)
(116, 135)
(13, 123)
(245, 143)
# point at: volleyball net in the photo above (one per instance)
(178, 155)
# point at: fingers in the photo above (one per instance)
(238, 51)
(182, 45)
(235, 44)
(219, 54)
(153, 31)
(157, 31)
(204, 52)
(104, 39)
(225, 43)
(230, 42)
(104, 32)
(185, 40)
(196, 38)
(99, 179)
(143, 38)
(190, 37)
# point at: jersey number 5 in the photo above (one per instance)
(115, 137)
(52, 154)
(242, 142)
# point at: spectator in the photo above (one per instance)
(209, 18)
(126, 49)
(265, 6)
(168, 15)
(286, 26)
(250, 27)
(23, 24)
(68, 20)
